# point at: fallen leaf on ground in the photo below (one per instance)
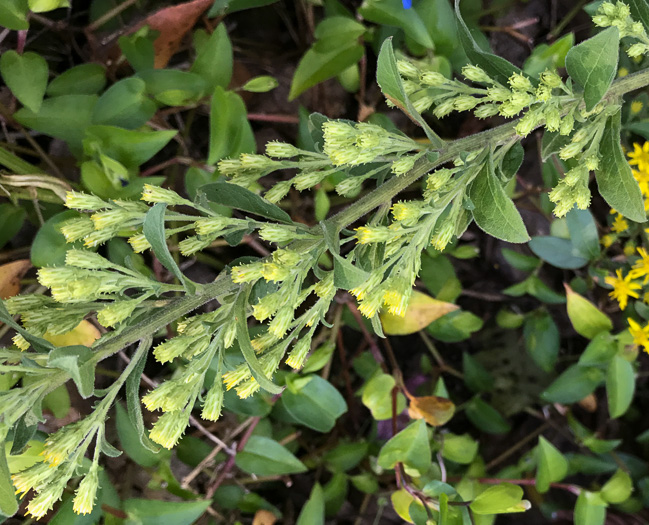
(436, 411)
(10, 276)
(422, 311)
(264, 517)
(84, 334)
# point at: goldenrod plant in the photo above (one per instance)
(275, 310)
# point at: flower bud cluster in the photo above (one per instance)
(571, 190)
(489, 97)
(618, 15)
(354, 144)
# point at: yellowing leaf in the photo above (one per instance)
(436, 411)
(10, 275)
(586, 318)
(264, 517)
(421, 311)
(84, 334)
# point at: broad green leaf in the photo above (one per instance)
(440, 279)
(230, 131)
(618, 488)
(439, 19)
(8, 503)
(590, 509)
(58, 402)
(124, 104)
(154, 231)
(314, 402)
(557, 252)
(347, 275)
(240, 198)
(49, 246)
(131, 442)
(593, 64)
(485, 417)
(155, 512)
(542, 340)
(392, 13)
(319, 358)
(346, 456)
(213, 57)
(28, 457)
(13, 16)
(460, 449)
(335, 493)
(551, 465)
(620, 386)
(128, 147)
(26, 76)
(586, 318)
(174, 87)
(335, 50)
(583, 233)
(500, 499)
(42, 6)
(76, 361)
(401, 501)
(389, 80)
(639, 11)
(494, 212)
(65, 117)
(573, 385)
(265, 457)
(476, 377)
(454, 327)
(377, 396)
(84, 79)
(552, 142)
(313, 511)
(11, 220)
(496, 67)
(409, 447)
(546, 56)
(422, 310)
(614, 178)
(261, 84)
(138, 48)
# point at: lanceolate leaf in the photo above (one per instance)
(494, 212)
(388, 78)
(620, 385)
(8, 503)
(593, 64)
(154, 231)
(495, 66)
(242, 199)
(614, 178)
(243, 338)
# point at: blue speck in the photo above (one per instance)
(407, 4)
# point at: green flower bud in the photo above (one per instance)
(444, 108)
(281, 150)
(213, 403)
(169, 428)
(252, 161)
(230, 167)
(465, 102)
(402, 165)
(552, 119)
(157, 194)
(351, 185)
(194, 244)
(601, 20)
(551, 79)
(571, 150)
(520, 82)
(423, 103)
(117, 311)
(86, 259)
(498, 94)
(281, 322)
(278, 191)
(309, 179)
(433, 79)
(407, 69)
(567, 124)
(486, 111)
(297, 356)
(86, 493)
(475, 74)
(637, 50)
(77, 228)
(84, 201)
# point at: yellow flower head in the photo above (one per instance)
(640, 334)
(640, 156)
(619, 224)
(636, 106)
(623, 288)
(641, 267)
